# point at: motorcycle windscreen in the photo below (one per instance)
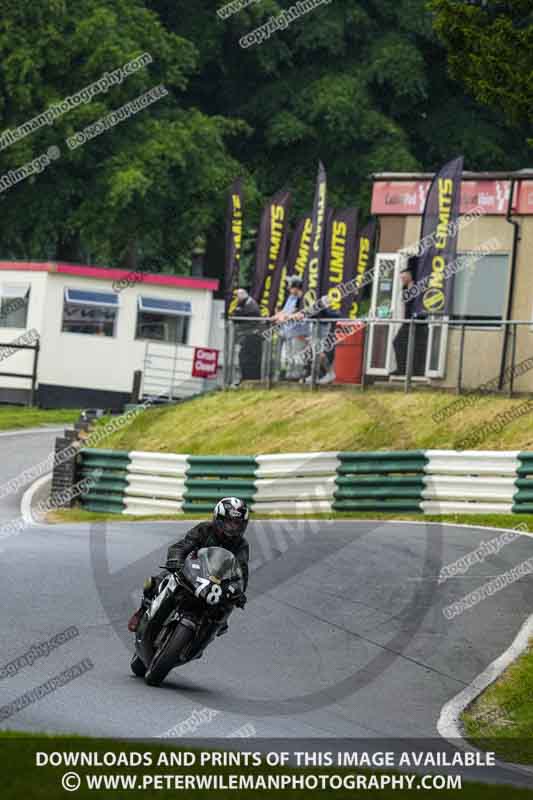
(219, 563)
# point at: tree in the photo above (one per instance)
(360, 84)
(490, 49)
(147, 186)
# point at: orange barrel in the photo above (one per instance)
(349, 352)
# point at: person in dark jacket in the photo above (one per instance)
(248, 337)
(401, 340)
(226, 529)
(246, 305)
(327, 345)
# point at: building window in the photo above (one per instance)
(89, 312)
(14, 304)
(163, 320)
(480, 287)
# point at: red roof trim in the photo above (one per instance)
(101, 273)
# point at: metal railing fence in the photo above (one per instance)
(465, 355)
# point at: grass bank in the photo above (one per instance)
(502, 717)
(482, 520)
(14, 417)
(250, 422)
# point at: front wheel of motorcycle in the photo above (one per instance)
(167, 656)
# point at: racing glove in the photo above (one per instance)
(240, 602)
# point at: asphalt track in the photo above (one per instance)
(20, 450)
(343, 636)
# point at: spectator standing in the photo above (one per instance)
(247, 338)
(295, 330)
(401, 340)
(328, 341)
(326, 373)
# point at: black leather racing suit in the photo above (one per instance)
(205, 535)
(202, 535)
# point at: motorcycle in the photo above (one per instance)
(190, 608)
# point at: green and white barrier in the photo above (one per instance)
(295, 483)
(523, 499)
(211, 477)
(380, 481)
(412, 481)
(109, 472)
(470, 482)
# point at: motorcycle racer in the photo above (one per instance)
(226, 529)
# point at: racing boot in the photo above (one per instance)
(149, 591)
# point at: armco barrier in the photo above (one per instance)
(380, 481)
(297, 464)
(211, 477)
(419, 481)
(155, 483)
(295, 483)
(470, 482)
(107, 492)
(523, 499)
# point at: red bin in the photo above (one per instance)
(349, 352)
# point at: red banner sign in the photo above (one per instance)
(488, 197)
(205, 363)
(399, 197)
(524, 200)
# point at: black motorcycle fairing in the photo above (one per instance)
(200, 597)
(214, 575)
(158, 612)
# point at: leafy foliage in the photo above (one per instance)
(361, 84)
(491, 50)
(147, 186)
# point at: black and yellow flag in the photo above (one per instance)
(339, 255)
(234, 226)
(312, 275)
(270, 253)
(298, 255)
(440, 224)
(363, 259)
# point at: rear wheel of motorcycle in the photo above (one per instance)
(137, 667)
(167, 656)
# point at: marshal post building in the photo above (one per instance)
(492, 284)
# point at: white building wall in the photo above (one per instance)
(22, 361)
(107, 363)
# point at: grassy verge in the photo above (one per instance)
(13, 417)
(75, 515)
(248, 422)
(22, 778)
(502, 717)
